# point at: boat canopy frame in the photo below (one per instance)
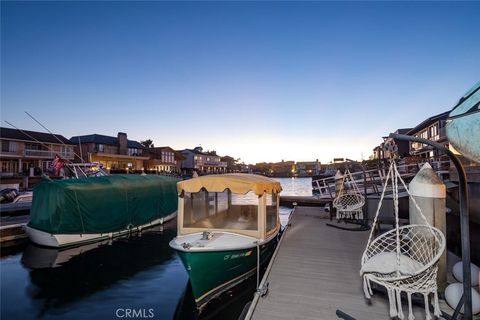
(240, 185)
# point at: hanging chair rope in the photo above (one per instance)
(355, 187)
(416, 256)
(375, 219)
(349, 204)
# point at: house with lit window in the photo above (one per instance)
(163, 160)
(27, 152)
(116, 154)
(308, 168)
(202, 162)
(283, 169)
(433, 129)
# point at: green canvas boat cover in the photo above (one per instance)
(101, 204)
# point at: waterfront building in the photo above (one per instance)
(283, 169)
(202, 162)
(308, 168)
(378, 152)
(433, 129)
(245, 168)
(116, 154)
(163, 159)
(232, 165)
(24, 149)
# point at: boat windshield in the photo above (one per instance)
(220, 210)
(272, 212)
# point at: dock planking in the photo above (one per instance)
(311, 201)
(316, 272)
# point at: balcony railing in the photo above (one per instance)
(12, 153)
(215, 163)
(48, 154)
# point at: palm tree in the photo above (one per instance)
(147, 143)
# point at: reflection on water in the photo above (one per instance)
(140, 272)
(296, 186)
(136, 272)
(227, 306)
(94, 281)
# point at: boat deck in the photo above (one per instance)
(11, 229)
(316, 272)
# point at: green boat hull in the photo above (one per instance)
(212, 273)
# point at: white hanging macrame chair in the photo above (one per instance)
(404, 259)
(349, 203)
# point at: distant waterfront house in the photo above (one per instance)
(283, 169)
(378, 152)
(23, 149)
(114, 153)
(163, 159)
(202, 162)
(432, 129)
(308, 168)
(232, 165)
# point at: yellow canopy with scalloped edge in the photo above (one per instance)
(236, 182)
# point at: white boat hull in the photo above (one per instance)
(64, 240)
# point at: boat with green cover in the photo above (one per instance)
(76, 211)
(227, 228)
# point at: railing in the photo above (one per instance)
(215, 163)
(48, 154)
(373, 180)
(11, 153)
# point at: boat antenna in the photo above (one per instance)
(80, 147)
(63, 143)
(43, 144)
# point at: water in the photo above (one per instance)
(103, 280)
(296, 186)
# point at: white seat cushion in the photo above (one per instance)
(386, 262)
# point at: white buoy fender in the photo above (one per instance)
(458, 273)
(426, 183)
(453, 293)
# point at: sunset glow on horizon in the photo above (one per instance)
(259, 81)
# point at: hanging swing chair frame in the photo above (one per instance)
(362, 223)
(466, 298)
(409, 242)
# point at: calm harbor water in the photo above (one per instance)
(103, 280)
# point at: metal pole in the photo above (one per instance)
(464, 219)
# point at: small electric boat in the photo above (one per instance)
(227, 227)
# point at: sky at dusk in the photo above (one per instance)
(260, 81)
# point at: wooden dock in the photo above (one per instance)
(311, 201)
(12, 230)
(316, 271)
